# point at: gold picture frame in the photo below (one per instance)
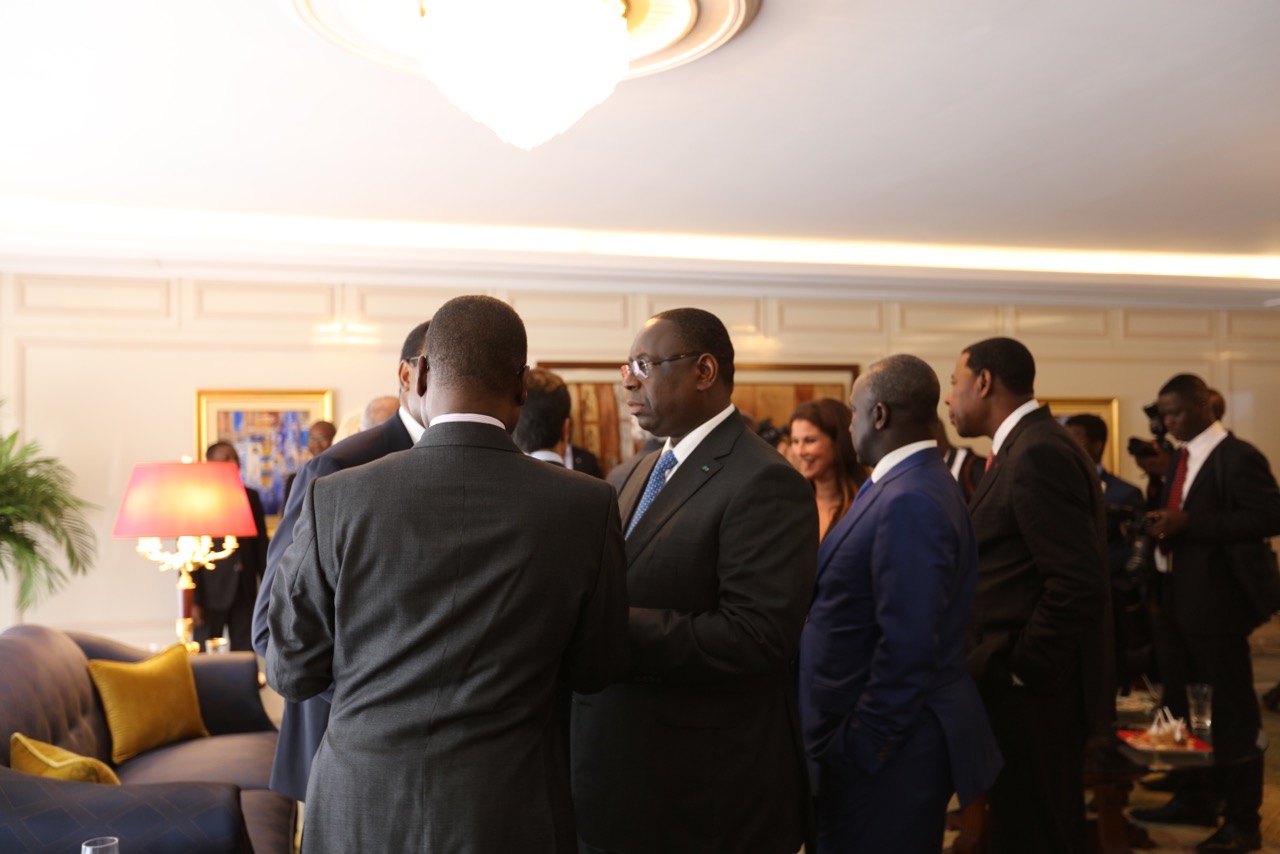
(268, 430)
(1106, 408)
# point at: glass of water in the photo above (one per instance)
(101, 845)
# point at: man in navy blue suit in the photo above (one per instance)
(304, 723)
(893, 723)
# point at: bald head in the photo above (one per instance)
(895, 403)
(379, 410)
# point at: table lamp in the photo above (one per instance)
(192, 502)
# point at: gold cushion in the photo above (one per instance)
(150, 703)
(48, 760)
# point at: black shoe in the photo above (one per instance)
(1177, 812)
(1230, 839)
(1166, 783)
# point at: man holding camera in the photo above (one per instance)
(1220, 503)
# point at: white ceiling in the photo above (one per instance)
(1145, 126)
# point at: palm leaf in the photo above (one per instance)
(39, 518)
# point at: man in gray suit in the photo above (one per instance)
(699, 748)
(442, 591)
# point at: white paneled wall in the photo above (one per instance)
(103, 371)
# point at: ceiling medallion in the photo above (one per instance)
(528, 70)
(663, 34)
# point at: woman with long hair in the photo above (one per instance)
(821, 442)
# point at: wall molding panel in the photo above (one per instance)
(143, 343)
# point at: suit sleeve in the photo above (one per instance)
(1053, 501)
(1250, 507)
(598, 651)
(915, 561)
(766, 557)
(256, 561)
(312, 469)
(301, 615)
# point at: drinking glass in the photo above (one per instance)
(1200, 706)
(101, 845)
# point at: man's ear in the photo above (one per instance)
(986, 383)
(424, 371)
(565, 428)
(522, 386)
(405, 375)
(708, 371)
(880, 415)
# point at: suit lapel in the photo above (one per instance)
(1207, 470)
(993, 474)
(863, 503)
(693, 473)
(634, 486)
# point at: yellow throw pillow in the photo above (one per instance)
(150, 703)
(48, 760)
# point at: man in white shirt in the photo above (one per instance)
(1220, 502)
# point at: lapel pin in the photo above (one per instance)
(706, 468)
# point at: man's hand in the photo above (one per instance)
(1167, 524)
(197, 615)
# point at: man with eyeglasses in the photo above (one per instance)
(304, 723)
(697, 748)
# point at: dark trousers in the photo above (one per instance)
(900, 809)
(238, 618)
(1037, 802)
(1222, 661)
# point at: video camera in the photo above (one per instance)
(1139, 447)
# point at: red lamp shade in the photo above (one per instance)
(184, 500)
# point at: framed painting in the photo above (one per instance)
(1106, 408)
(603, 426)
(268, 430)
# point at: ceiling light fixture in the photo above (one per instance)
(528, 70)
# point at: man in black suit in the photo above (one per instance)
(304, 723)
(224, 596)
(1039, 636)
(1220, 504)
(698, 748)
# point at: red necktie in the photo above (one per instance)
(1179, 481)
(987, 466)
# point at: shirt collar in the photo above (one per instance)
(694, 437)
(1206, 441)
(411, 424)
(473, 417)
(890, 460)
(1006, 426)
(547, 455)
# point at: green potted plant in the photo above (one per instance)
(38, 518)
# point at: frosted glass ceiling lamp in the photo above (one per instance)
(528, 70)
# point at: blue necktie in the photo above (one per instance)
(657, 480)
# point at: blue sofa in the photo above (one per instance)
(202, 796)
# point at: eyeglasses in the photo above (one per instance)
(640, 367)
